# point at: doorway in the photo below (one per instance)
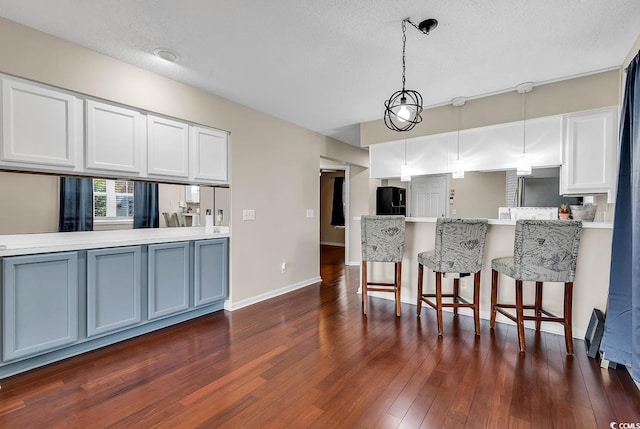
(429, 196)
(332, 231)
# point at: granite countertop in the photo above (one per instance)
(27, 244)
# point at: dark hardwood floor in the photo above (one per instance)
(310, 359)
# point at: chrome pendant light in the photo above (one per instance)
(403, 110)
(523, 165)
(458, 164)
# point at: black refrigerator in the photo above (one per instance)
(391, 200)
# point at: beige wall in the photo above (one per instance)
(328, 233)
(273, 168)
(478, 194)
(573, 95)
(29, 203)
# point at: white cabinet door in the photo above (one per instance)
(115, 139)
(167, 148)
(589, 152)
(39, 127)
(209, 152)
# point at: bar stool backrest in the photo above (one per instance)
(382, 238)
(546, 250)
(459, 245)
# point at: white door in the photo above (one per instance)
(429, 196)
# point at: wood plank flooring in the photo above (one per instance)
(310, 359)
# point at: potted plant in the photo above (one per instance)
(564, 212)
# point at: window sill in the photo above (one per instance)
(124, 221)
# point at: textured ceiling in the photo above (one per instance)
(328, 65)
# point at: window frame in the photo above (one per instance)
(111, 202)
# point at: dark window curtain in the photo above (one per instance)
(337, 213)
(76, 204)
(145, 205)
(621, 341)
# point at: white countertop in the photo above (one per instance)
(26, 244)
(594, 225)
(586, 225)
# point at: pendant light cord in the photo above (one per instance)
(524, 122)
(404, 44)
(459, 113)
(405, 151)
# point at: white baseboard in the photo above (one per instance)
(331, 243)
(231, 306)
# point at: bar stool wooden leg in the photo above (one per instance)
(568, 304)
(439, 301)
(494, 296)
(364, 287)
(456, 292)
(538, 305)
(520, 315)
(476, 301)
(420, 274)
(398, 286)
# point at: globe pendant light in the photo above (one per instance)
(523, 165)
(403, 110)
(458, 164)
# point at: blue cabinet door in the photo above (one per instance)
(211, 271)
(113, 289)
(168, 279)
(40, 303)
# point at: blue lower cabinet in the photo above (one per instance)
(211, 271)
(168, 276)
(113, 289)
(40, 303)
(119, 292)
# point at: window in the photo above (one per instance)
(112, 200)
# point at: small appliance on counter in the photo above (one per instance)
(515, 213)
(391, 200)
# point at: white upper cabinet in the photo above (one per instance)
(498, 147)
(167, 148)
(115, 139)
(495, 147)
(589, 152)
(209, 151)
(41, 128)
(424, 155)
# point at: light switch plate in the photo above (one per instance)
(310, 213)
(248, 214)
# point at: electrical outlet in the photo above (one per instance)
(283, 267)
(248, 214)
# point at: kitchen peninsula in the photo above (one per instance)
(591, 283)
(71, 292)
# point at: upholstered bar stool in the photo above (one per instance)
(382, 241)
(543, 251)
(458, 249)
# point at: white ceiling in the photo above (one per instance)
(329, 65)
